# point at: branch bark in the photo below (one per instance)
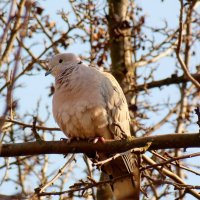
(181, 62)
(171, 175)
(174, 79)
(120, 44)
(61, 147)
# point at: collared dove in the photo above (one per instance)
(88, 103)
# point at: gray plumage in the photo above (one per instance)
(89, 103)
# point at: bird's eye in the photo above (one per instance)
(60, 61)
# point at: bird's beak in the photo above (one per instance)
(48, 72)
(43, 61)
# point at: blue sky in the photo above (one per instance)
(35, 87)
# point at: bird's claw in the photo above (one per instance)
(69, 140)
(97, 139)
(93, 140)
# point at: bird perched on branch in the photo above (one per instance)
(90, 104)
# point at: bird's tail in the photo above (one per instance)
(124, 190)
(126, 171)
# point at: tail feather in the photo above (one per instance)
(127, 188)
(129, 163)
(123, 190)
(125, 166)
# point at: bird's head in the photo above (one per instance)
(60, 62)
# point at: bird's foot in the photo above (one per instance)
(97, 139)
(69, 140)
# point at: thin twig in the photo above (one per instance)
(184, 67)
(176, 164)
(89, 185)
(178, 186)
(171, 160)
(197, 111)
(24, 125)
(37, 136)
(39, 190)
(171, 175)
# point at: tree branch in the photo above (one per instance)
(181, 62)
(171, 175)
(61, 147)
(174, 79)
(24, 125)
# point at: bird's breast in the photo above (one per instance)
(80, 117)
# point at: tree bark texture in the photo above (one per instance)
(168, 141)
(120, 43)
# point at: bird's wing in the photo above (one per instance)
(117, 108)
(119, 126)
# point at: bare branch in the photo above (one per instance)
(183, 65)
(171, 160)
(24, 125)
(60, 172)
(174, 79)
(171, 175)
(61, 147)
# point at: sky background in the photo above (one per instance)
(35, 87)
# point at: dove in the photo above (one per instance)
(90, 104)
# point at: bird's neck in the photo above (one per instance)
(64, 77)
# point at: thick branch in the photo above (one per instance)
(61, 147)
(120, 43)
(167, 81)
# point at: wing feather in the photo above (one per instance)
(118, 114)
(117, 108)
